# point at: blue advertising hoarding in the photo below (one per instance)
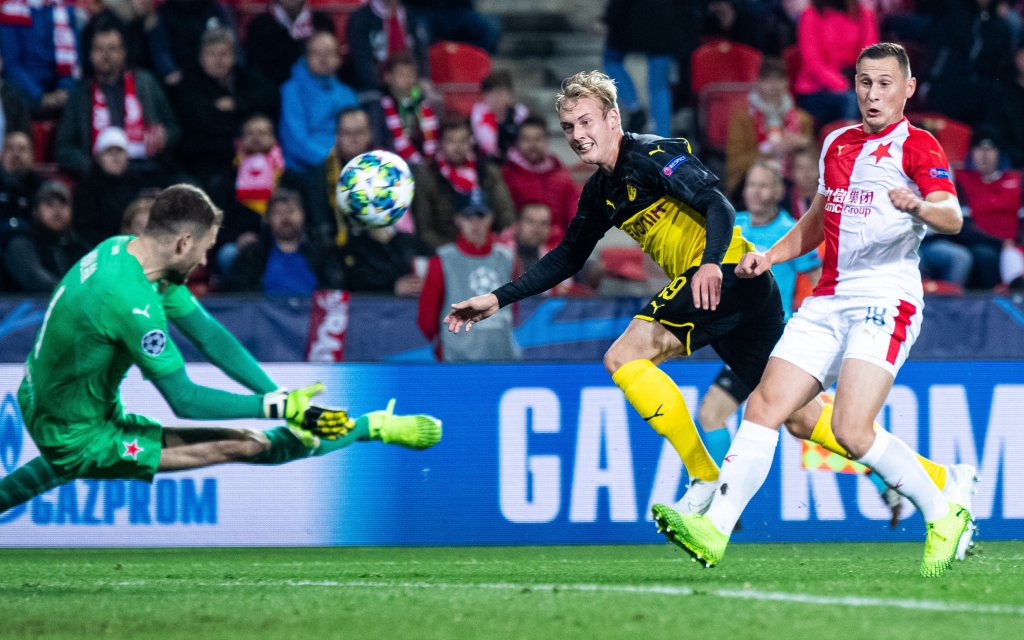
(532, 454)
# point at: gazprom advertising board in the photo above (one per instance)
(532, 454)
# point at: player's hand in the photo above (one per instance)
(290, 405)
(753, 264)
(906, 200)
(327, 423)
(471, 311)
(707, 287)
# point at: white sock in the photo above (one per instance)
(743, 472)
(898, 466)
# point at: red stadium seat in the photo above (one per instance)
(954, 136)
(723, 61)
(718, 101)
(625, 263)
(456, 63)
(461, 102)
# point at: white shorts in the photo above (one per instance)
(827, 329)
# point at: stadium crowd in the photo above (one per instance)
(103, 103)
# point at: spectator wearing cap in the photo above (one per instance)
(533, 174)
(37, 255)
(472, 265)
(455, 175)
(115, 96)
(102, 195)
(283, 262)
(18, 180)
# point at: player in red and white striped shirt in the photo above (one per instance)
(882, 183)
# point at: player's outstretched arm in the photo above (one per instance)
(471, 311)
(223, 350)
(196, 402)
(805, 236)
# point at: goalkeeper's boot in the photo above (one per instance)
(693, 533)
(894, 501)
(961, 485)
(697, 498)
(412, 432)
(943, 539)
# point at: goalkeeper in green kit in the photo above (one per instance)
(110, 311)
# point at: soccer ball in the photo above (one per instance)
(375, 189)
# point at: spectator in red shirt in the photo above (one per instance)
(535, 175)
(830, 35)
(992, 199)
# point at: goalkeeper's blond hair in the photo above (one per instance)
(588, 84)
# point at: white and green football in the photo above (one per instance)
(375, 189)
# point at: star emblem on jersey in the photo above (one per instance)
(153, 342)
(881, 152)
(132, 449)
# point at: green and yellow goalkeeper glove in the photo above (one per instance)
(295, 408)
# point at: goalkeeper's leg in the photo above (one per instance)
(28, 481)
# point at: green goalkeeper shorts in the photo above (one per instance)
(126, 448)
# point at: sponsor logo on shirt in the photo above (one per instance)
(644, 222)
(854, 202)
(938, 172)
(673, 164)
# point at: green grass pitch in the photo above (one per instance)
(763, 592)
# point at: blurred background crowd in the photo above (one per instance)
(262, 102)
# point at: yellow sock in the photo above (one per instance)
(658, 401)
(823, 435)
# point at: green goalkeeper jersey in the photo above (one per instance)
(104, 317)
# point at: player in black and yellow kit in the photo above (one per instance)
(660, 194)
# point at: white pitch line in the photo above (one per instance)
(668, 590)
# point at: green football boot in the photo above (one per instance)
(412, 432)
(943, 539)
(693, 533)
